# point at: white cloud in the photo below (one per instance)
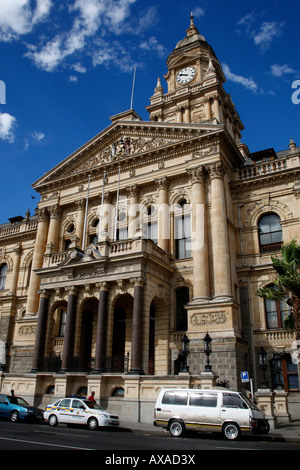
(18, 17)
(37, 136)
(248, 83)
(152, 44)
(91, 17)
(280, 70)
(7, 125)
(268, 31)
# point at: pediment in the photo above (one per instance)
(78, 257)
(123, 140)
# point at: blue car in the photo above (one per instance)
(16, 408)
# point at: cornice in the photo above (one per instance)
(189, 144)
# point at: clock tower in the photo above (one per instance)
(195, 91)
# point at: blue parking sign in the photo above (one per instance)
(244, 376)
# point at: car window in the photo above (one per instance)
(3, 399)
(18, 401)
(231, 400)
(78, 404)
(92, 405)
(204, 399)
(65, 402)
(174, 398)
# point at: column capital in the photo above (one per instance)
(133, 190)
(217, 170)
(71, 290)
(162, 183)
(43, 214)
(139, 281)
(54, 211)
(197, 175)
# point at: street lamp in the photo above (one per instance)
(207, 351)
(277, 371)
(262, 361)
(185, 351)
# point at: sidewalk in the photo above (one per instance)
(289, 432)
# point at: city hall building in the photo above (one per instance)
(140, 267)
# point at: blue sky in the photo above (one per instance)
(66, 67)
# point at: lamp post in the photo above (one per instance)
(262, 361)
(277, 371)
(207, 351)
(185, 351)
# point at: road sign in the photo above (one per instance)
(244, 376)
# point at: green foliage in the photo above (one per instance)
(287, 283)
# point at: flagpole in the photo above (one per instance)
(117, 206)
(85, 219)
(101, 212)
(131, 103)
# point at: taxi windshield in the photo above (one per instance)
(92, 405)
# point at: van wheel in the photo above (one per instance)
(177, 429)
(231, 431)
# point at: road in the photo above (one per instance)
(119, 443)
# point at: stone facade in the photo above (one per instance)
(149, 232)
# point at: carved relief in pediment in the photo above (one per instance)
(123, 147)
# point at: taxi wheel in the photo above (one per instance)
(92, 423)
(52, 420)
(14, 416)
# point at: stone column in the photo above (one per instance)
(207, 105)
(40, 331)
(187, 114)
(16, 266)
(80, 220)
(199, 235)
(133, 220)
(179, 114)
(163, 213)
(53, 232)
(220, 245)
(70, 329)
(217, 110)
(137, 329)
(101, 327)
(37, 263)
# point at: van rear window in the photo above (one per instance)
(201, 399)
(174, 398)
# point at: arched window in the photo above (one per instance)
(152, 223)
(276, 313)
(182, 299)
(182, 230)
(3, 273)
(270, 233)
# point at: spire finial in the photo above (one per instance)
(192, 28)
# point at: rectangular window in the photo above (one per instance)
(175, 398)
(201, 399)
(231, 400)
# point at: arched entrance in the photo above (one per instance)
(151, 339)
(88, 318)
(121, 332)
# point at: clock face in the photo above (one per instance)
(185, 75)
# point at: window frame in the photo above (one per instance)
(271, 245)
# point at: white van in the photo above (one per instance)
(215, 410)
